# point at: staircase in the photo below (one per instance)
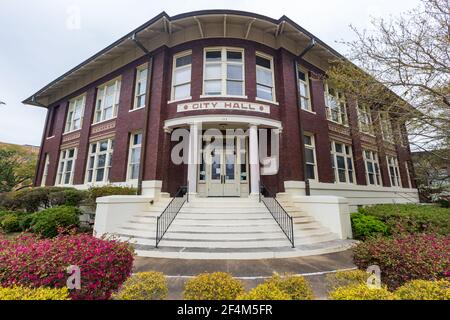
(227, 228)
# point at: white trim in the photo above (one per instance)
(312, 147)
(267, 101)
(179, 100)
(73, 104)
(107, 166)
(224, 96)
(138, 69)
(183, 121)
(305, 82)
(397, 176)
(338, 98)
(45, 172)
(131, 147)
(408, 176)
(110, 119)
(375, 161)
(346, 156)
(100, 108)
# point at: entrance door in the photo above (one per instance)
(222, 176)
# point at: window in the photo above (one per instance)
(107, 101)
(394, 172)
(75, 114)
(310, 157)
(66, 165)
(303, 88)
(407, 164)
(265, 88)
(386, 127)
(224, 72)
(365, 119)
(45, 173)
(140, 90)
(342, 162)
(134, 157)
(372, 164)
(100, 161)
(181, 77)
(336, 105)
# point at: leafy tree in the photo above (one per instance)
(17, 167)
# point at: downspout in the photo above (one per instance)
(142, 160)
(311, 45)
(47, 117)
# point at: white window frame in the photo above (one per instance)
(130, 152)
(45, 172)
(138, 84)
(77, 103)
(272, 71)
(300, 82)
(346, 156)
(64, 158)
(386, 127)
(312, 147)
(223, 78)
(365, 119)
(395, 178)
(95, 155)
(99, 112)
(340, 100)
(174, 70)
(374, 160)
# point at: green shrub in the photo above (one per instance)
(143, 286)
(213, 286)
(25, 221)
(96, 192)
(361, 292)
(41, 293)
(364, 226)
(346, 278)
(412, 218)
(424, 290)
(265, 291)
(10, 223)
(295, 286)
(47, 222)
(67, 197)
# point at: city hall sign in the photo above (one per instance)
(223, 105)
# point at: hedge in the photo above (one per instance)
(361, 292)
(49, 222)
(24, 293)
(32, 262)
(143, 286)
(213, 286)
(364, 226)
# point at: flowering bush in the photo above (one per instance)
(361, 292)
(265, 291)
(424, 290)
(405, 257)
(143, 286)
(213, 286)
(34, 262)
(24, 293)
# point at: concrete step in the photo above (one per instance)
(224, 210)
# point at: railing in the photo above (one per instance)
(280, 215)
(165, 219)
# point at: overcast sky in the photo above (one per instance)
(38, 44)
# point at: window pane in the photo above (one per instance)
(338, 147)
(340, 162)
(263, 62)
(135, 155)
(103, 145)
(264, 77)
(349, 164)
(263, 92)
(182, 91)
(182, 76)
(309, 156)
(342, 177)
(213, 71)
(213, 55)
(234, 72)
(307, 140)
(183, 61)
(234, 56)
(134, 171)
(302, 75)
(234, 88)
(370, 168)
(100, 174)
(310, 172)
(213, 87)
(303, 90)
(101, 161)
(137, 139)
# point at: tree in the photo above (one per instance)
(402, 65)
(16, 168)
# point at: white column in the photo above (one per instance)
(254, 160)
(193, 158)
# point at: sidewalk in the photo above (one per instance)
(251, 272)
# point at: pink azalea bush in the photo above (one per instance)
(406, 257)
(33, 262)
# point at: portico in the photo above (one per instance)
(223, 157)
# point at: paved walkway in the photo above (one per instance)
(252, 272)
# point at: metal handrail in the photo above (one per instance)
(277, 211)
(165, 219)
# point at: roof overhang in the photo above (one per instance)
(164, 30)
